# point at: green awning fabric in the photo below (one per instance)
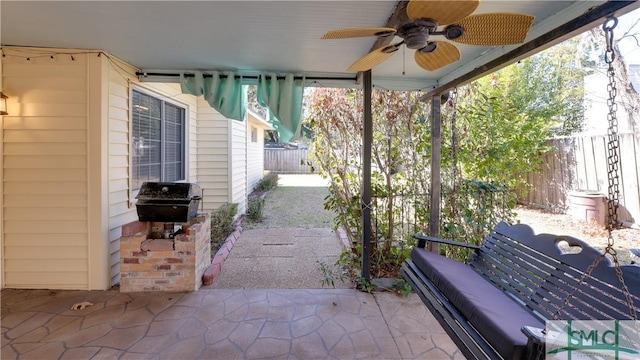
(224, 92)
(283, 99)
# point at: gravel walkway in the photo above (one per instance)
(285, 250)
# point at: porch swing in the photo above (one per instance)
(496, 304)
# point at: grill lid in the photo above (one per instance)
(169, 191)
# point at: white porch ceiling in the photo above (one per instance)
(251, 36)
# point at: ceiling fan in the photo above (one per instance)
(445, 20)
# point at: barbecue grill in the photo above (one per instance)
(168, 202)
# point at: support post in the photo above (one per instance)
(436, 157)
(367, 139)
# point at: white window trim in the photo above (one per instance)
(166, 98)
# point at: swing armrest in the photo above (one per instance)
(422, 240)
(534, 334)
(536, 341)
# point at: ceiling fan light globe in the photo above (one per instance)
(453, 32)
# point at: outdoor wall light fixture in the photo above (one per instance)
(3, 104)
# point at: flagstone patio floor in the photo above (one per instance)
(220, 324)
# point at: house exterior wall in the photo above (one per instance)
(121, 81)
(596, 108)
(255, 153)
(65, 167)
(212, 147)
(238, 164)
(49, 232)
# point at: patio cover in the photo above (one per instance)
(166, 38)
(254, 37)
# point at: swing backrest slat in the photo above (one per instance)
(536, 272)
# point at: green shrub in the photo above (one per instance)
(268, 182)
(222, 222)
(255, 209)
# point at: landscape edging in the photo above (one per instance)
(221, 255)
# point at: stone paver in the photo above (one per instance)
(221, 324)
(235, 317)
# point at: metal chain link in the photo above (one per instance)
(613, 160)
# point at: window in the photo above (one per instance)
(158, 140)
(254, 134)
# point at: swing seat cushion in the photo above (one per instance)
(492, 312)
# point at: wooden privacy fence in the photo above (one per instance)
(580, 163)
(287, 161)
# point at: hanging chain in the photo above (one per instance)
(613, 160)
(612, 132)
(613, 191)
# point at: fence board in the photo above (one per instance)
(580, 163)
(581, 168)
(287, 161)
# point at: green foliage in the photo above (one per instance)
(342, 270)
(402, 287)
(222, 222)
(471, 210)
(365, 285)
(335, 117)
(492, 137)
(547, 87)
(268, 182)
(497, 143)
(255, 209)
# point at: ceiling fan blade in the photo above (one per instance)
(444, 12)
(358, 32)
(443, 55)
(373, 58)
(495, 29)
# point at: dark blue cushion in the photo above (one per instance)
(496, 316)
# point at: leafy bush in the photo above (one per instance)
(268, 182)
(255, 209)
(488, 146)
(222, 223)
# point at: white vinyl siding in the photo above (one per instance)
(212, 148)
(45, 182)
(238, 164)
(66, 149)
(121, 203)
(255, 155)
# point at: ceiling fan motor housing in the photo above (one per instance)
(414, 35)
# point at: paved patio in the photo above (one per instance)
(220, 324)
(235, 317)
